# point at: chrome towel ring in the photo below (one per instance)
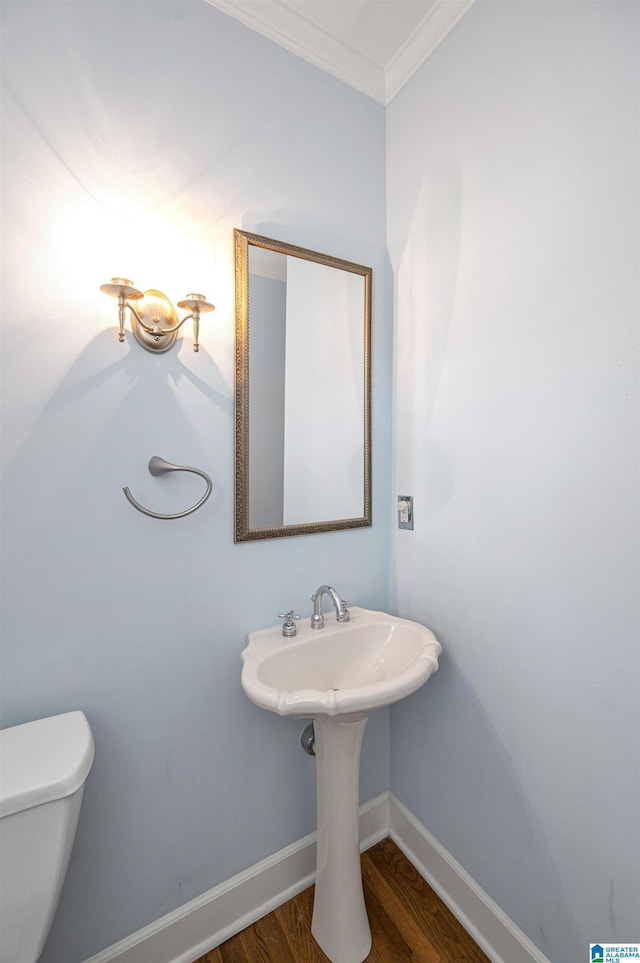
(158, 466)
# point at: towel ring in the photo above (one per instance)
(158, 466)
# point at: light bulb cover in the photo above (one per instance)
(196, 301)
(122, 287)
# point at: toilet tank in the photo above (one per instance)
(43, 767)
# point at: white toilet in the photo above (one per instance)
(43, 767)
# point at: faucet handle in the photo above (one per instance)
(288, 626)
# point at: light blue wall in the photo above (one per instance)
(137, 136)
(513, 220)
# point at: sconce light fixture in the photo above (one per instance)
(154, 321)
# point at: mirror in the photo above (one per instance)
(303, 391)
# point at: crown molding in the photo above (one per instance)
(290, 29)
(429, 33)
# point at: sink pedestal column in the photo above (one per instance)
(340, 925)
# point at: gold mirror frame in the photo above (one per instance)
(243, 531)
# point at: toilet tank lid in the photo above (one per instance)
(43, 760)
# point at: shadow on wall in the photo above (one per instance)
(457, 742)
(297, 227)
(125, 398)
(111, 612)
(66, 519)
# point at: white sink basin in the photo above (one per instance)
(336, 675)
(371, 661)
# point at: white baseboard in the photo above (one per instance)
(482, 918)
(193, 929)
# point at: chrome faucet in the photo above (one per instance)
(342, 612)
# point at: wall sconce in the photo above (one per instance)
(155, 322)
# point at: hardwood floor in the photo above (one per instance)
(409, 922)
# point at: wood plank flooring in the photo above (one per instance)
(409, 922)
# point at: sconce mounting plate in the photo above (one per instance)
(155, 309)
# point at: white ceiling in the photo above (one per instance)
(372, 45)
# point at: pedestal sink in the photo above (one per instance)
(336, 676)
